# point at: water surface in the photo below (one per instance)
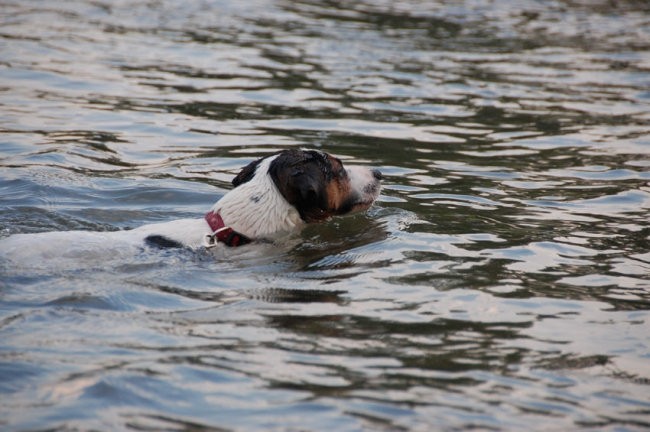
(501, 281)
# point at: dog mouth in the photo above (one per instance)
(362, 205)
(364, 199)
(372, 190)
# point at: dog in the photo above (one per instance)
(272, 197)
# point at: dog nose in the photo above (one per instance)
(377, 174)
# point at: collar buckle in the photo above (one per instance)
(211, 240)
(222, 233)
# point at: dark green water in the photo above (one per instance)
(501, 282)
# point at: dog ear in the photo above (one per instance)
(308, 188)
(300, 180)
(247, 173)
(307, 194)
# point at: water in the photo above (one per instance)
(501, 282)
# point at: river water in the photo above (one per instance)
(501, 281)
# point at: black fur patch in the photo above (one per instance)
(247, 173)
(301, 177)
(161, 242)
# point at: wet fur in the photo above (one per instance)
(272, 196)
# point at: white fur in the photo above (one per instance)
(363, 184)
(258, 209)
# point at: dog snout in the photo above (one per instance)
(377, 174)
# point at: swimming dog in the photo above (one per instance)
(272, 197)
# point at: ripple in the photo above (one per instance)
(631, 201)
(500, 281)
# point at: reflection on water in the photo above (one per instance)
(501, 281)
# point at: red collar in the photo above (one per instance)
(222, 233)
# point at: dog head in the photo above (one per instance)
(315, 183)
